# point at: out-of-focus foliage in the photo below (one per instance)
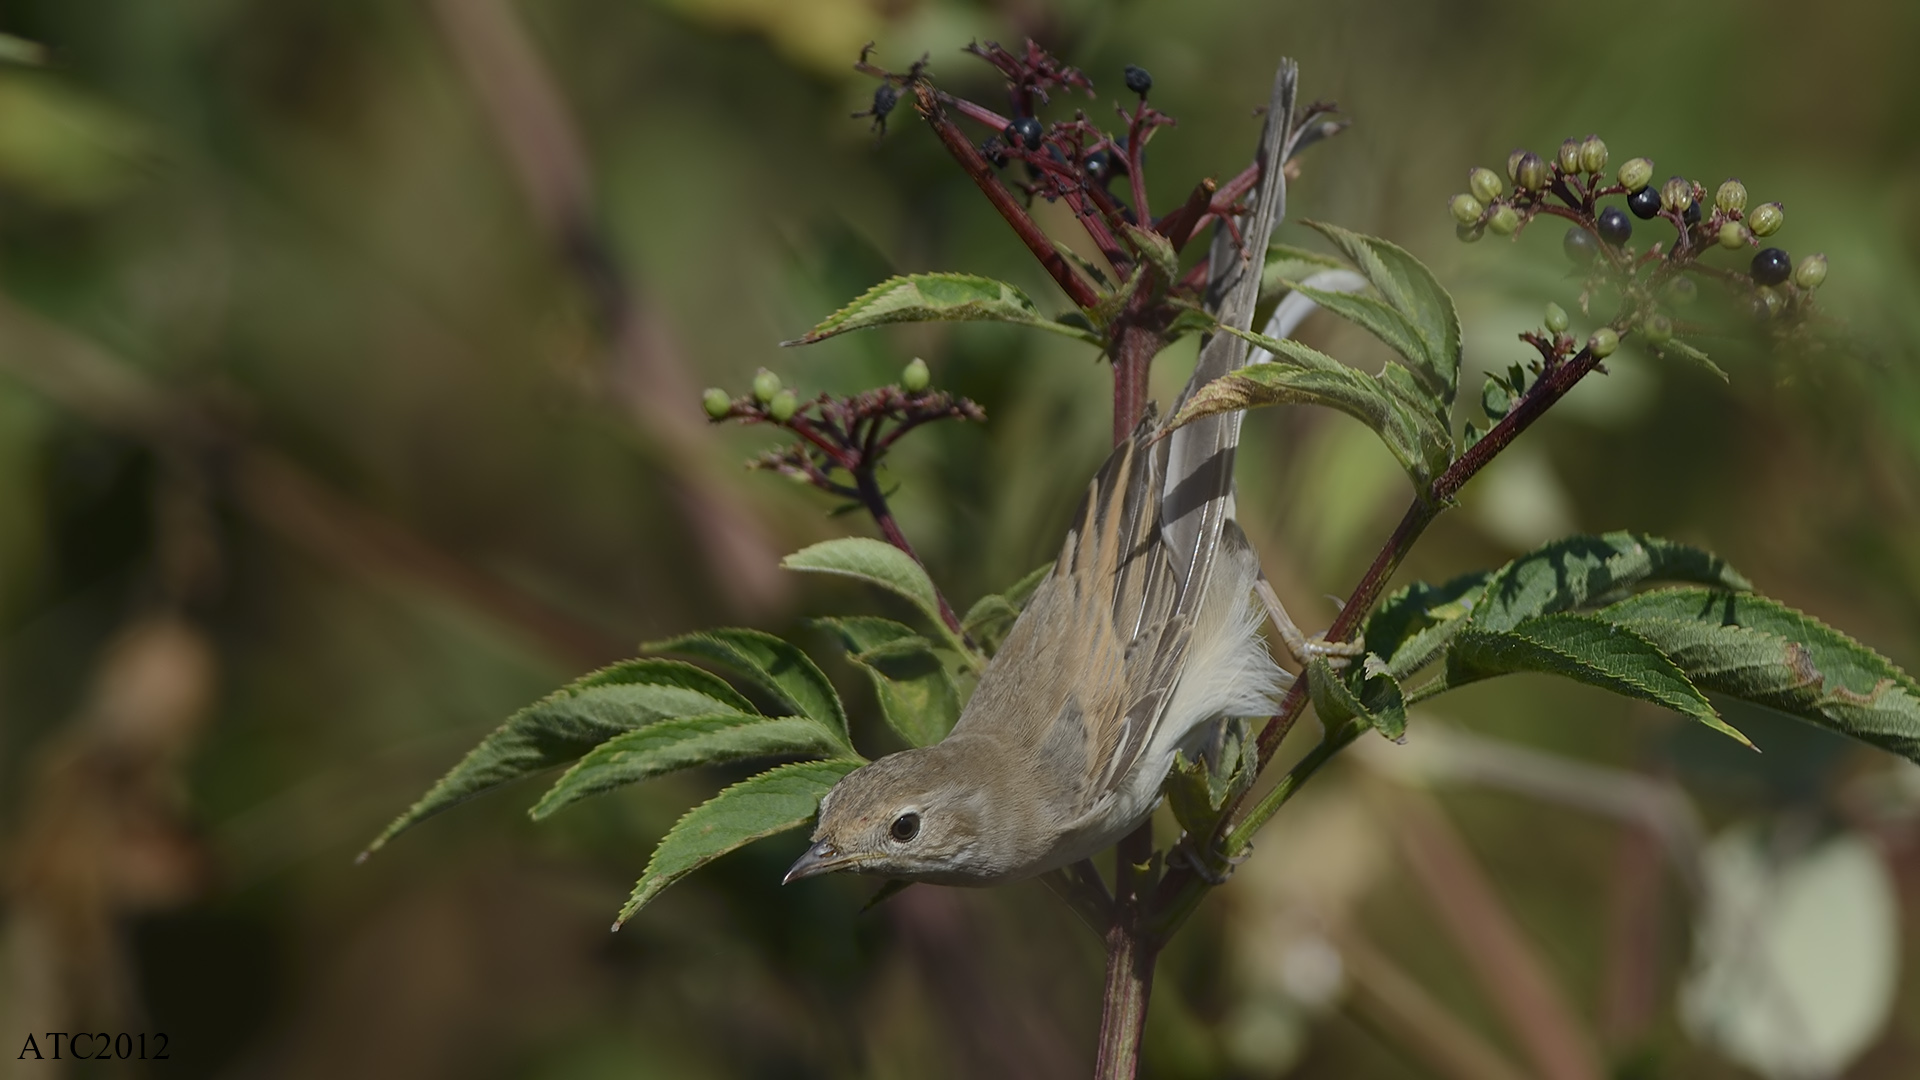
(325, 443)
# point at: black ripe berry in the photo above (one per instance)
(1772, 266)
(1580, 246)
(1025, 132)
(885, 97)
(1691, 215)
(1644, 203)
(1099, 166)
(1615, 227)
(1138, 80)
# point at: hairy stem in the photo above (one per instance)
(1131, 952)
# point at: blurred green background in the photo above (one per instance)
(349, 359)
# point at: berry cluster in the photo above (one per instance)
(1572, 184)
(851, 434)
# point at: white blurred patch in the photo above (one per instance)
(1796, 958)
(1519, 501)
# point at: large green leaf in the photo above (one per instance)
(879, 563)
(991, 617)
(683, 743)
(760, 806)
(916, 691)
(1760, 650)
(1414, 314)
(570, 722)
(1300, 375)
(1585, 648)
(940, 298)
(779, 668)
(1581, 570)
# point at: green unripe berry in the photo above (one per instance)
(1513, 163)
(1733, 235)
(1769, 302)
(1766, 219)
(1556, 318)
(1485, 185)
(1676, 194)
(1603, 342)
(1531, 173)
(1570, 156)
(1468, 234)
(1732, 196)
(1503, 221)
(1593, 155)
(1683, 291)
(783, 406)
(1636, 173)
(1658, 329)
(765, 385)
(915, 376)
(1811, 272)
(1466, 209)
(716, 402)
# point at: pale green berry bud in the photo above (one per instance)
(783, 406)
(1636, 173)
(1603, 342)
(1570, 156)
(1513, 163)
(1677, 194)
(1503, 221)
(1468, 234)
(1733, 235)
(1683, 291)
(1531, 173)
(1556, 318)
(1732, 196)
(1593, 155)
(1811, 272)
(765, 385)
(1770, 302)
(1766, 219)
(716, 402)
(1658, 329)
(1485, 185)
(1466, 209)
(915, 376)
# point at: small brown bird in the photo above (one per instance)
(1143, 635)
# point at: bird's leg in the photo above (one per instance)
(1302, 648)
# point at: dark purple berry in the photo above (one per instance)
(1691, 215)
(1772, 266)
(1615, 226)
(1025, 131)
(1099, 166)
(1580, 246)
(1138, 80)
(1644, 203)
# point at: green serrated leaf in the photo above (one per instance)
(1495, 398)
(760, 806)
(684, 743)
(1110, 304)
(1284, 266)
(939, 298)
(1685, 351)
(992, 616)
(1366, 690)
(1304, 376)
(777, 667)
(1413, 625)
(1759, 650)
(1586, 648)
(1197, 790)
(570, 722)
(880, 564)
(1581, 570)
(1409, 289)
(917, 694)
(1157, 250)
(1086, 265)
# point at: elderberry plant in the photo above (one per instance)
(1639, 616)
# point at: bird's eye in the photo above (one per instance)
(905, 827)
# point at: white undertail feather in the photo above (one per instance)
(1230, 670)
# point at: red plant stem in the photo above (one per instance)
(1136, 158)
(963, 151)
(1178, 226)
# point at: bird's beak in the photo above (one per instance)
(821, 858)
